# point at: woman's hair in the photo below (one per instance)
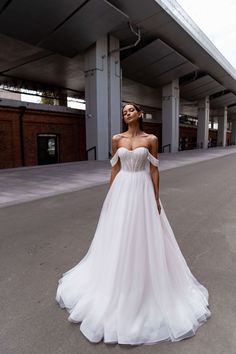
(138, 109)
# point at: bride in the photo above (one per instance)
(133, 286)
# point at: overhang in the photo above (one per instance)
(223, 100)
(232, 109)
(232, 112)
(156, 64)
(46, 41)
(20, 61)
(67, 27)
(200, 88)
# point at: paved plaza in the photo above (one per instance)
(48, 218)
(24, 184)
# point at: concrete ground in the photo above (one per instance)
(24, 184)
(43, 238)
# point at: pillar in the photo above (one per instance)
(62, 99)
(114, 89)
(102, 95)
(212, 123)
(170, 115)
(203, 123)
(233, 132)
(222, 128)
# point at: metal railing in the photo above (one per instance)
(95, 152)
(164, 146)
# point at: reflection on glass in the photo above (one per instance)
(148, 115)
(51, 146)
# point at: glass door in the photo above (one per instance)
(47, 149)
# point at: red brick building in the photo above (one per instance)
(35, 135)
(31, 137)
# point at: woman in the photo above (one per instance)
(133, 286)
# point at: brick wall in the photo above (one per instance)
(189, 132)
(70, 129)
(156, 129)
(9, 138)
(228, 138)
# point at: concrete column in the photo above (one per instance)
(233, 132)
(62, 99)
(203, 123)
(114, 88)
(170, 115)
(222, 128)
(102, 95)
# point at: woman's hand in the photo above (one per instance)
(158, 205)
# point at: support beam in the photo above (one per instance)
(203, 123)
(102, 95)
(170, 116)
(114, 88)
(212, 123)
(222, 128)
(233, 137)
(62, 99)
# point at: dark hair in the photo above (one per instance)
(138, 109)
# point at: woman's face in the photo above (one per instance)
(130, 113)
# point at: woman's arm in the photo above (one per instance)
(154, 170)
(116, 168)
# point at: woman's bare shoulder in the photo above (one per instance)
(115, 142)
(152, 137)
(116, 138)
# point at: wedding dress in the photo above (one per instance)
(133, 286)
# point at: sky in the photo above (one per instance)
(217, 19)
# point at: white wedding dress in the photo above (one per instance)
(133, 286)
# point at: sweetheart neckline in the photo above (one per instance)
(139, 147)
(150, 157)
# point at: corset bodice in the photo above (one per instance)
(134, 160)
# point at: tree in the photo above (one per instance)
(47, 97)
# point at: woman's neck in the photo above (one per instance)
(133, 130)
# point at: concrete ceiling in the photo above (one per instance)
(43, 42)
(223, 100)
(232, 109)
(67, 27)
(21, 61)
(232, 112)
(200, 88)
(156, 64)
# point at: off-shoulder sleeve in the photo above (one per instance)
(154, 161)
(114, 159)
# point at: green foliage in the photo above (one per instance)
(47, 98)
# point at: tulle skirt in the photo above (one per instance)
(133, 286)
